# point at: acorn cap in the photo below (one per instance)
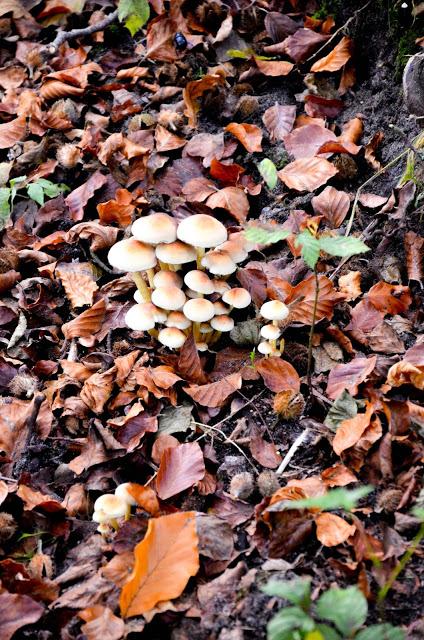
(199, 310)
(219, 263)
(167, 279)
(202, 230)
(155, 228)
(131, 255)
(270, 332)
(237, 297)
(220, 308)
(274, 310)
(265, 348)
(111, 505)
(235, 249)
(170, 298)
(222, 323)
(122, 492)
(140, 318)
(221, 286)
(199, 281)
(176, 253)
(159, 315)
(177, 319)
(172, 337)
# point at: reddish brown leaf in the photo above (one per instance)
(207, 146)
(279, 121)
(338, 476)
(100, 622)
(228, 174)
(215, 393)
(414, 249)
(119, 209)
(264, 452)
(12, 77)
(255, 281)
(97, 389)
(87, 323)
(167, 141)
(249, 135)
(307, 174)
(371, 149)
(333, 530)
(350, 285)
(194, 90)
(300, 45)
(33, 499)
(350, 431)
(336, 59)
(11, 132)
(198, 189)
(17, 611)
(274, 68)
(352, 131)
(304, 142)
(180, 468)
(278, 374)
(8, 280)
(319, 107)
(302, 297)
(189, 365)
(78, 198)
(145, 497)
(100, 236)
(233, 199)
(333, 205)
(389, 298)
(349, 376)
(78, 281)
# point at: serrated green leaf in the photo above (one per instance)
(310, 248)
(343, 408)
(339, 498)
(381, 632)
(52, 189)
(5, 210)
(261, 235)
(135, 13)
(268, 171)
(342, 246)
(288, 620)
(36, 192)
(175, 419)
(297, 591)
(346, 608)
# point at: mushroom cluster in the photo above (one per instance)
(276, 312)
(181, 273)
(110, 508)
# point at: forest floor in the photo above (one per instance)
(110, 127)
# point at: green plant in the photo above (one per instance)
(345, 609)
(268, 171)
(37, 191)
(134, 14)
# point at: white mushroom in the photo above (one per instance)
(170, 298)
(203, 232)
(199, 281)
(133, 256)
(155, 228)
(172, 337)
(237, 297)
(219, 263)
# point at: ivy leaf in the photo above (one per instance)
(36, 192)
(338, 498)
(297, 591)
(343, 246)
(310, 248)
(346, 608)
(135, 13)
(4, 205)
(268, 171)
(262, 235)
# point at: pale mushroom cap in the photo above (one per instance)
(202, 346)
(199, 310)
(220, 308)
(219, 263)
(122, 492)
(101, 517)
(170, 298)
(158, 314)
(265, 348)
(237, 297)
(177, 319)
(176, 253)
(103, 528)
(172, 337)
(167, 279)
(199, 281)
(131, 255)
(202, 230)
(111, 505)
(205, 328)
(221, 286)
(140, 318)
(274, 310)
(270, 332)
(222, 323)
(235, 248)
(155, 228)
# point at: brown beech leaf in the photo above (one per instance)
(233, 199)
(319, 107)
(194, 90)
(371, 149)
(215, 394)
(12, 77)
(167, 141)
(264, 452)
(165, 560)
(35, 499)
(228, 174)
(249, 135)
(78, 281)
(101, 622)
(372, 201)
(97, 389)
(307, 174)
(304, 142)
(279, 120)
(350, 285)
(350, 431)
(119, 209)
(11, 132)
(279, 26)
(349, 376)
(100, 236)
(160, 32)
(333, 530)
(87, 323)
(414, 249)
(333, 205)
(8, 280)
(189, 365)
(255, 281)
(304, 293)
(145, 497)
(410, 370)
(352, 131)
(278, 374)
(17, 611)
(390, 298)
(274, 67)
(198, 189)
(79, 197)
(336, 59)
(207, 146)
(300, 45)
(338, 476)
(180, 468)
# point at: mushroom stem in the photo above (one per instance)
(154, 333)
(150, 276)
(200, 253)
(215, 337)
(196, 332)
(282, 344)
(128, 512)
(274, 344)
(163, 266)
(141, 286)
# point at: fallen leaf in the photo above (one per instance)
(215, 537)
(78, 198)
(350, 285)
(189, 365)
(167, 141)
(229, 174)
(307, 174)
(194, 90)
(232, 199)
(333, 205)
(336, 59)
(100, 236)
(119, 209)
(263, 451)
(320, 107)
(302, 299)
(279, 121)
(278, 375)
(97, 390)
(215, 393)
(198, 189)
(78, 281)
(305, 142)
(333, 530)
(300, 45)
(349, 376)
(100, 622)
(279, 25)
(12, 132)
(275, 68)
(414, 249)
(390, 298)
(371, 148)
(164, 562)
(207, 146)
(249, 135)
(350, 431)
(410, 370)
(87, 323)
(12, 77)
(338, 476)
(17, 611)
(145, 498)
(352, 130)
(33, 499)
(180, 468)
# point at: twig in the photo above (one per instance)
(226, 439)
(290, 453)
(63, 36)
(311, 333)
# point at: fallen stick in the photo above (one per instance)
(63, 36)
(290, 453)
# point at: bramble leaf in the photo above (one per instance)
(310, 248)
(342, 246)
(346, 608)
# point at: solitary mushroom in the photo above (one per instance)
(266, 348)
(203, 232)
(133, 256)
(108, 508)
(155, 229)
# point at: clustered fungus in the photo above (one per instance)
(276, 312)
(110, 509)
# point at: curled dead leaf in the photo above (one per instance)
(336, 59)
(215, 394)
(180, 468)
(333, 530)
(194, 90)
(302, 298)
(12, 132)
(78, 281)
(350, 285)
(390, 298)
(350, 431)
(249, 135)
(233, 199)
(87, 323)
(414, 248)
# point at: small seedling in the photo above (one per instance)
(37, 191)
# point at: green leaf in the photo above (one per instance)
(135, 13)
(346, 608)
(328, 633)
(296, 591)
(288, 620)
(51, 189)
(14, 188)
(268, 172)
(175, 419)
(339, 498)
(5, 209)
(310, 248)
(344, 408)
(343, 246)
(418, 510)
(238, 53)
(262, 235)
(36, 192)
(381, 632)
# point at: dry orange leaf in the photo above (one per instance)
(333, 530)
(274, 67)
(352, 131)
(167, 141)
(349, 376)
(97, 389)
(336, 59)
(165, 560)
(405, 372)
(414, 249)
(338, 476)
(78, 281)
(145, 497)
(350, 285)
(390, 298)
(333, 205)
(194, 90)
(350, 431)
(278, 374)
(307, 174)
(11, 132)
(371, 148)
(101, 622)
(304, 293)
(279, 120)
(87, 323)
(233, 199)
(215, 394)
(180, 468)
(119, 209)
(249, 135)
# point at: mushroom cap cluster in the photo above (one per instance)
(276, 312)
(111, 507)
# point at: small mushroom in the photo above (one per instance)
(140, 318)
(266, 348)
(169, 298)
(175, 253)
(133, 256)
(237, 297)
(172, 337)
(220, 286)
(220, 308)
(272, 333)
(235, 247)
(199, 281)
(155, 229)
(221, 323)
(203, 232)
(275, 311)
(219, 263)
(177, 319)
(198, 310)
(109, 508)
(167, 279)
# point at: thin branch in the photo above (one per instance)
(290, 453)
(63, 36)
